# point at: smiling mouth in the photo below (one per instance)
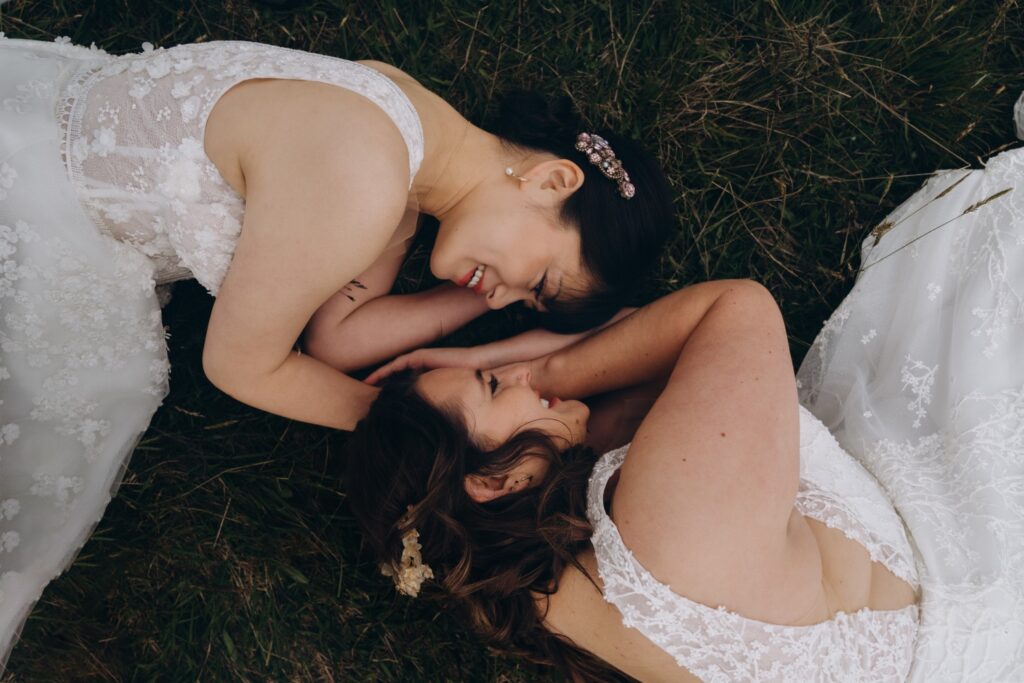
(474, 279)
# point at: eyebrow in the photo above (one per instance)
(483, 382)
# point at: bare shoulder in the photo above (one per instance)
(578, 611)
(260, 123)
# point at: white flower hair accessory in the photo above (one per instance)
(409, 573)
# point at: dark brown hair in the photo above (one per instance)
(621, 240)
(489, 560)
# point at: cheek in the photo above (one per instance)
(538, 468)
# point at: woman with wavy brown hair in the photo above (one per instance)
(739, 537)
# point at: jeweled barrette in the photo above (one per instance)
(600, 153)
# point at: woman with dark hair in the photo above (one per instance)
(736, 538)
(288, 184)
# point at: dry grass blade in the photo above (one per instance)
(970, 209)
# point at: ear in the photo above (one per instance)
(561, 176)
(485, 489)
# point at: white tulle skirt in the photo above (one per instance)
(83, 362)
(920, 375)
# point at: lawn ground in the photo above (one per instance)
(789, 128)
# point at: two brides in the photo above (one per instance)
(288, 184)
(786, 559)
(862, 520)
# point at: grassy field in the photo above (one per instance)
(788, 128)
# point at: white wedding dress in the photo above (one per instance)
(919, 377)
(106, 191)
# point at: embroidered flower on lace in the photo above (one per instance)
(141, 88)
(159, 66)
(719, 646)
(103, 142)
(9, 540)
(10, 508)
(9, 433)
(985, 453)
(190, 108)
(7, 177)
(183, 171)
(918, 378)
(62, 489)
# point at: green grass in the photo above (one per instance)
(789, 129)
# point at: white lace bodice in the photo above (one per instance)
(133, 144)
(719, 646)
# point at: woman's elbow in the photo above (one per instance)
(331, 345)
(220, 371)
(751, 294)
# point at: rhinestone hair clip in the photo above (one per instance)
(600, 153)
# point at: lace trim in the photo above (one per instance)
(825, 469)
(835, 515)
(719, 645)
(69, 116)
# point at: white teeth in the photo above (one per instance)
(544, 403)
(477, 276)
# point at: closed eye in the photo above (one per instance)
(538, 291)
(494, 384)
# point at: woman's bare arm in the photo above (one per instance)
(322, 201)
(639, 349)
(388, 325)
(526, 346)
(715, 467)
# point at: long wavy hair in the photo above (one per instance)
(490, 561)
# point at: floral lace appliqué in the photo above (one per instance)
(719, 646)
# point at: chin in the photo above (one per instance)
(435, 266)
(583, 409)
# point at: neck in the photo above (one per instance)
(455, 163)
(459, 159)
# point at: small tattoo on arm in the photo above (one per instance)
(347, 289)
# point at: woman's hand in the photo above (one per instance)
(429, 359)
(529, 348)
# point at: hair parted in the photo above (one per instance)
(621, 239)
(406, 464)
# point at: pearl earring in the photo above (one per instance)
(512, 174)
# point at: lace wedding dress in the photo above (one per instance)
(912, 444)
(106, 191)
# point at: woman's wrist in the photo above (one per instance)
(543, 373)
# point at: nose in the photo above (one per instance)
(521, 375)
(518, 374)
(502, 295)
